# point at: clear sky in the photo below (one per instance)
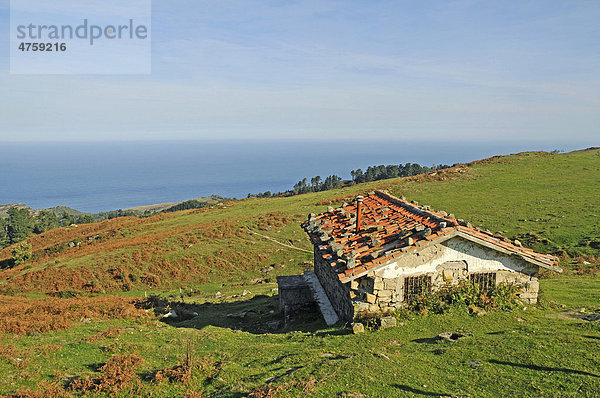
(311, 69)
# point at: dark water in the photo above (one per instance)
(96, 177)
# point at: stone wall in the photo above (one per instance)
(447, 263)
(294, 293)
(337, 292)
(528, 285)
(375, 293)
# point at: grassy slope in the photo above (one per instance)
(523, 353)
(548, 201)
(550, 195)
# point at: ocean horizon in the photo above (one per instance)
(101, 176)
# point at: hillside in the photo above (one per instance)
(5, 208)
(59, 210)
(213, 199)
(548, 201)
(209, 257)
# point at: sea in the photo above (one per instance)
(101, 176)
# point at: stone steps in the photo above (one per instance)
(329, 314)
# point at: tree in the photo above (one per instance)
(21, 253)
(45, 221)
(331, 182)
(301, 186)
(4, 238)
(20, 224)
(315, 183)
(392, 171)
(188, 204)
(85, 219)
(357, 175)
(67, 219)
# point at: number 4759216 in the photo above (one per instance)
(43, 47)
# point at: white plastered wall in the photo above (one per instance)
(478, 258)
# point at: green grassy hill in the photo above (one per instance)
(219, 262)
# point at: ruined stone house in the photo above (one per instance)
(381, 251)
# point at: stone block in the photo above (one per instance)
(529, 300)
(378, 285)
(350, 263)
(500, 277)
(532, 286)
(373, 308)
(448, 275)
(358, 327)
(360, 307)
(384, 294)
(387, 322)
(528, 295)
(354, 285)
(389, 284)
(371, 298)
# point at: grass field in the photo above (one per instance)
(208, 258)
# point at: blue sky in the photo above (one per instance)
(444, 70)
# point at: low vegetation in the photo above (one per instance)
(26, 316)
(21, 222)
(466, 296)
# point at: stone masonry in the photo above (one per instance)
(367, 253)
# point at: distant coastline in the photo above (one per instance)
(101, 176)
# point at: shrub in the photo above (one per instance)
(465, 295)
(21, 253)
(116, 374)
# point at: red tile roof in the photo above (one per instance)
(390, 227)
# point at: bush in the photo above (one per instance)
(465, 295)
(116, 374)
(21, 253)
